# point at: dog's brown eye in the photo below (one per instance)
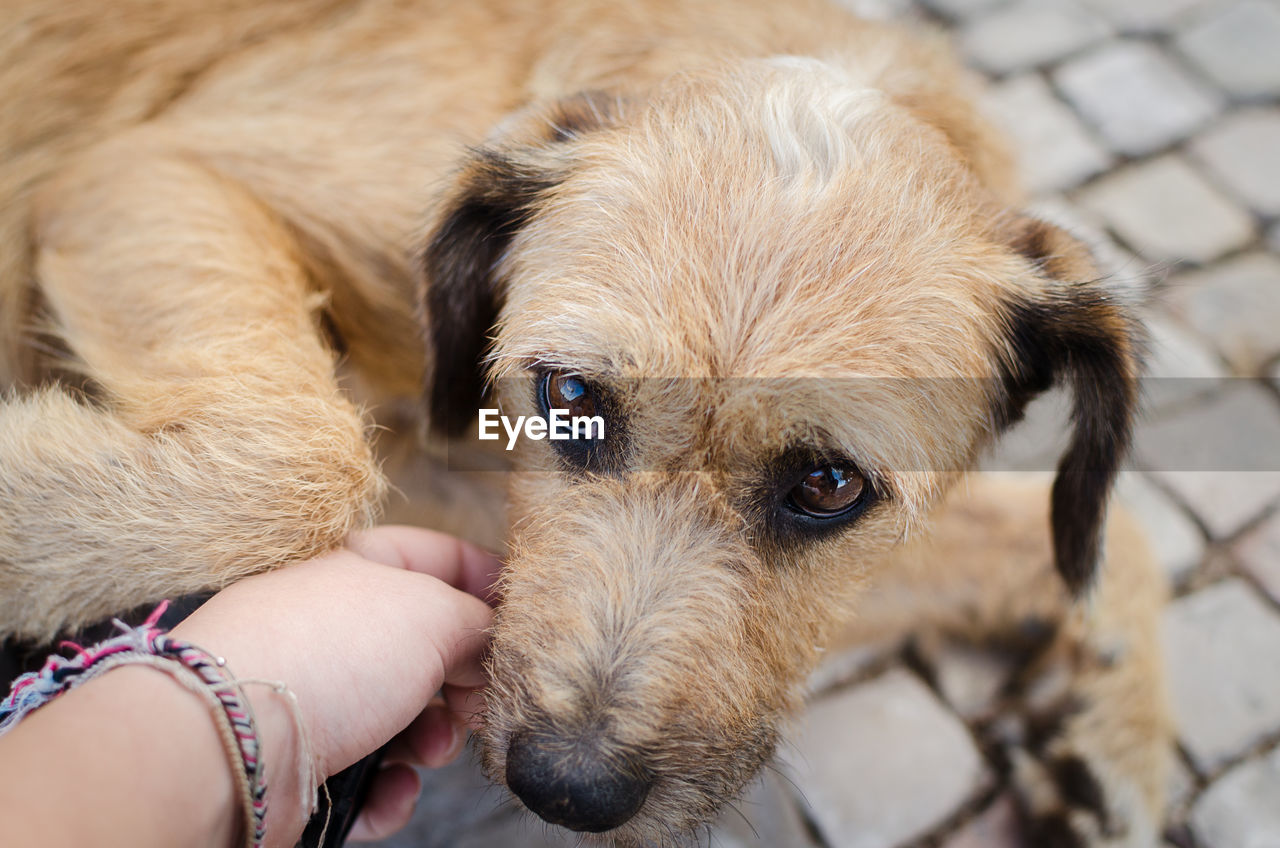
(828, 490)
(571, 392)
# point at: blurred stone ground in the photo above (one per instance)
(1151, 127)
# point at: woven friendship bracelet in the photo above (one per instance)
(199, 671)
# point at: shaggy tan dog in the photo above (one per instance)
(770, 244)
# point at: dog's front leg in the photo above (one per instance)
(219, 444)
(1090, 761)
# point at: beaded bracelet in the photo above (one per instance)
(195, 669)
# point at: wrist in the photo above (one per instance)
(192, 755)
(283, 744)
(287, 761)
(150, 739)
(228, 712)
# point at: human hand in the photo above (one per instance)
(364, 637)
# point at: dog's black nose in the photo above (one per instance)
(570, 784)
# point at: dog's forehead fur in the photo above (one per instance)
(790, 225)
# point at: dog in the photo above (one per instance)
(771, 246)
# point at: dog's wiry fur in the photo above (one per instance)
(764, 227)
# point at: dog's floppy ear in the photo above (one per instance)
(1070, 329)
(498, 190)
(460, 293)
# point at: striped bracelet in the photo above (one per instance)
(200, 672)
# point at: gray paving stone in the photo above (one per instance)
(883, 763)
(1037, 441)
(1072, 217)
(845, 664)
(1128, 275)
(958, 10)
(1176, 541)
(1146, 15)
(1055, 150)
(1130, 272)
(994, 827)
(1136, 97)
(970, 679)
(1225, 501)
(1243, 153)
(880, 10)
(1030, 33)
(1220, 458)
(1237, 48)
(1179, 365)
(1236, 305)
(1168, 212)
(1222, 646)
(766, 817)
(457, 802)
(1242, 810)
(1259, 555)
(513, 830)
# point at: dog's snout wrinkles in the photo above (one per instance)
(573, 784)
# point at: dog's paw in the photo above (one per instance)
(1062, 802)
(1071, 797)
(1087, 743)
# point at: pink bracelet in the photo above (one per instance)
(202, 673)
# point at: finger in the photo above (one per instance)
(400, 749)
(456, 562)
(434, 739)
(461, 638)
(390, 803)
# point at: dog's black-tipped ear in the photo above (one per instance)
(461, 294)
(499, 189)
(1071, 330)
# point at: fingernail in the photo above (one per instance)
(457, 739)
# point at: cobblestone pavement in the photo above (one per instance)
(1153, 128)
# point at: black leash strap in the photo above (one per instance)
(347, 791)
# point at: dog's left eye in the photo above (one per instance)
(828, 491)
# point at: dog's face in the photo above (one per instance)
(800, 317)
